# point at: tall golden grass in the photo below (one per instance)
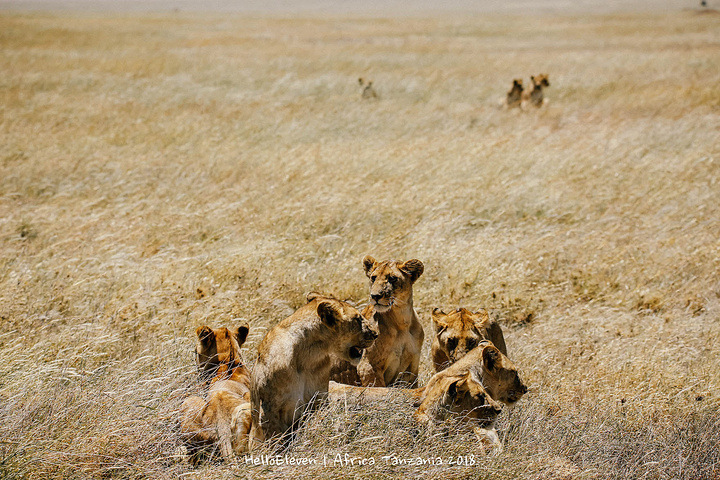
(158, 172)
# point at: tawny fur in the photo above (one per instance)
(394, 358)
(366, 89)
(535, 96)
(495, 371)
(293, 363)
(446, 397)
(458, 398)
(463, 399)
(458, 332)
(514, 96)
(222, 422)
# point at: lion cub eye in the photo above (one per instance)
(452, 343)
(373, 278)
(393, 280)
(472, 343)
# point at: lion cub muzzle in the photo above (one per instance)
(518, 390)
(381, 296)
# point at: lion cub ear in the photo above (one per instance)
(205, 334)
(481, 318)
(329, 313)
(438, 317)
(241, 333)
(368, 264)
(312, 296)
(414, 268)
(458, 388)
(491, 357)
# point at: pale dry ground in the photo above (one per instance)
(162, 172)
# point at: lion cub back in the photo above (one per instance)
(222, 421)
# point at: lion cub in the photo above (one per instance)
(223, 421)
(458, 332)
(460, 397)
(366, 89)
(470, 390)
(489, 366)
(395, 356)
(514, 96)
(535, 96)
(451, 397)
(293, 363)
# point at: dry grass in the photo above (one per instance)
(161, 172)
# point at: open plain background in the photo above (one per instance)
(165, 165)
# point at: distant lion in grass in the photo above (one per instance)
(366, 89)
(535, 97)
(514, 96)
(223, 421)
(293, 363)
(394, 358)
(460, 331)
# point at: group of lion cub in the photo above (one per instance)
(517, 96)
(328, 348)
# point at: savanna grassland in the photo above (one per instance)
(160, 172)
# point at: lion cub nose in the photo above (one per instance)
(376, 296)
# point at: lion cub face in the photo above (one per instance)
(391, 282)
(460, 396)
(460, 331)
(218, 346)
(465, 396)
(541, 80)
(500, 376)
(351, 332)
